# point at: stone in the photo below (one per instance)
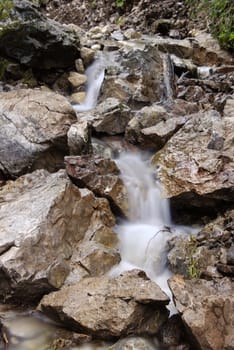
(91, 259)
(135, 75)
(144, 118)
(201, 254)
(110, 117)
(79, 66)
(101, 176)
(198, 160)
(207, 309)
(43, 218)
(79, 138)
(78, 97)
(30, 38)
(87, 55)
(138, 343)
(34, 126)
(229, 108)
(77, 79)
(109, 307)
(207, 51)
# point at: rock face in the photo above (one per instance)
(38, 237)
(102, 177)
(207, 308)
(33, 40)
(104, 307)
(207, 254)
(109, 117)
(33, 132)
(198, 159)
(135, 77)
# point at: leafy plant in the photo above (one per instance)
(220, 15)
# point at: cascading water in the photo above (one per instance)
(95, 75)
(143, 239)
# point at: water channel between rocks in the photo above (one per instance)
(142, 239)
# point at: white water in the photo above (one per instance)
(95, 76)
(143, 239)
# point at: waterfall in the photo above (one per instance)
(95, 75)
(143, 238)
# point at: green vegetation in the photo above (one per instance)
(120, 3)
(220, 16)
(5, 8)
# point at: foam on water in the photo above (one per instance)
(143, 239)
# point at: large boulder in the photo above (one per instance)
(43, 218)
(135, 76)
(198, 161)
(109, 307)
(30, 38)
(207, 309)
(102, 176)
(34, 126)
(109, 117)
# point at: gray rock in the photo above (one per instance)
(30, 38)
(194, 162)
(132, 343)
(207, 309)
(79, 138)
(33, 131)
(201, 254)
(135, 76)
(110, 117)
(107, 307)
(101, 176)
(43, 218)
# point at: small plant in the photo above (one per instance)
(220, 16)
(120, 3)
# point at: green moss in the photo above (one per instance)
(220, 15)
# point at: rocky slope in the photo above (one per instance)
(166, 89)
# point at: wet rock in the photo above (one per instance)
(92, 259)
(87, 55)
(102, 177)
(173, 333)
(198, 160)
(144, 118)
(135, 75)
(205, 254)
(40, 213)
(138, 343)
(30, 38)
(207, 310)
(110, 117)
(27, 332)
(105, 307)
(206, 50)
(79, 138)
(34, 127)
(76, 79)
